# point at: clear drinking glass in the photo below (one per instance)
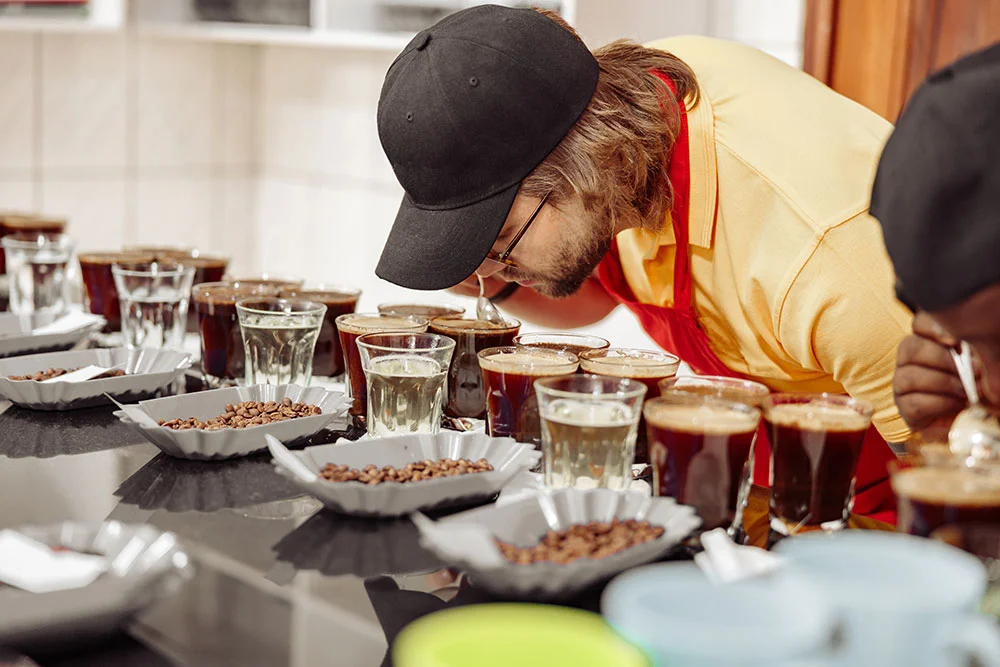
(279, 338)
(566, 342)
(816, 442)
(699, 446)
(589, 426)
(37, 265)
(153, 300)
(406, 375)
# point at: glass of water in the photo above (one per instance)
(153, 299)
(589, 426)
(279, 337)
(37, 265)
(406, 375)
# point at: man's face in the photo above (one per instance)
(977, 321)
(560, 250)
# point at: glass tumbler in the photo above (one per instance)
(279, 339)
(153, 301)
(37, 266)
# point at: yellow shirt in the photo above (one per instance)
(792, 282)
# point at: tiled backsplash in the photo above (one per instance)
(268, 154)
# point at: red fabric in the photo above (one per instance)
(677, 330)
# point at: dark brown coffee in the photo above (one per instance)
(353, 325)
(509, 375)
(222, 353)
(466, 395)
(12, 223)
(814, 452)
(99, 283)
(646, 366)
(328, 359)
(698, 452)
(958, 506)
(425, 310)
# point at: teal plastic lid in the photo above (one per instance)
(508, 634)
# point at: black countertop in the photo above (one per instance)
(279, 581)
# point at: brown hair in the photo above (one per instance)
(615, 157)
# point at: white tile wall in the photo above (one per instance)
(96, 210)
(174, 210)
(84, 105)
(17, 112)
(17, 195)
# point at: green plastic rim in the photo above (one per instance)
(508, 634)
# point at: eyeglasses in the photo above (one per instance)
(502, 258)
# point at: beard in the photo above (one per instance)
(571, 268)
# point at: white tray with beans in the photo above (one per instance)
(555, 544)
(224, 423)
(394, 476)
(138, 374)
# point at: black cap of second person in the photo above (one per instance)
(937, 188)
(469, 108)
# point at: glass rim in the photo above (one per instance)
(414, 319)
(603, 356)
(180, 271)
(267, 279)
(671, 382)
(310, 307)
(674, 397)
(509, 321)
(859, 405)
(39, 239)
(562, 335)
(322, 288)
(635, 389)
(503, 350)
(448, 343)
(454, 309)
(126, 255)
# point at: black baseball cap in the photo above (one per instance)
(937, 188)
(469, 108)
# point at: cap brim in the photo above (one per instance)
(436, 249)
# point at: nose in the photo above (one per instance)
(489, 268)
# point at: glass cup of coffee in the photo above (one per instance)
(816, 442)
(207, 268)
(153, 300)
(466, 395)
(223, 358)
(328, 361)
(699, 446)
(509, 375)
(589, 425)
(37, 266)
(406, 375)
(269, 281)
(349, 328)
(566, 342)
(646, 366)
(15, 223)
(426, 310)
(99, 282)
(279, 338)
(729, 389)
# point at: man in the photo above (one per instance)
(719, 194)
(937, 195)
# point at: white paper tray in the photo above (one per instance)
(525, 522)
(148, 371)
(158, 568)
(229, 442)
(16, 337)
(391, 499)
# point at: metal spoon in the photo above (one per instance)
(485, 310)
(975, 434)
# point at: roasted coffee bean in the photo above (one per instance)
(413, 472)
(249, 413)
(589, 540)
(41, 376)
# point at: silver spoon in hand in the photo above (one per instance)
(485, 310)
(975, 434)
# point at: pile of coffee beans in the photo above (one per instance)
(41, 376)
(588, 540)
(413, 472)
(248, 413)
